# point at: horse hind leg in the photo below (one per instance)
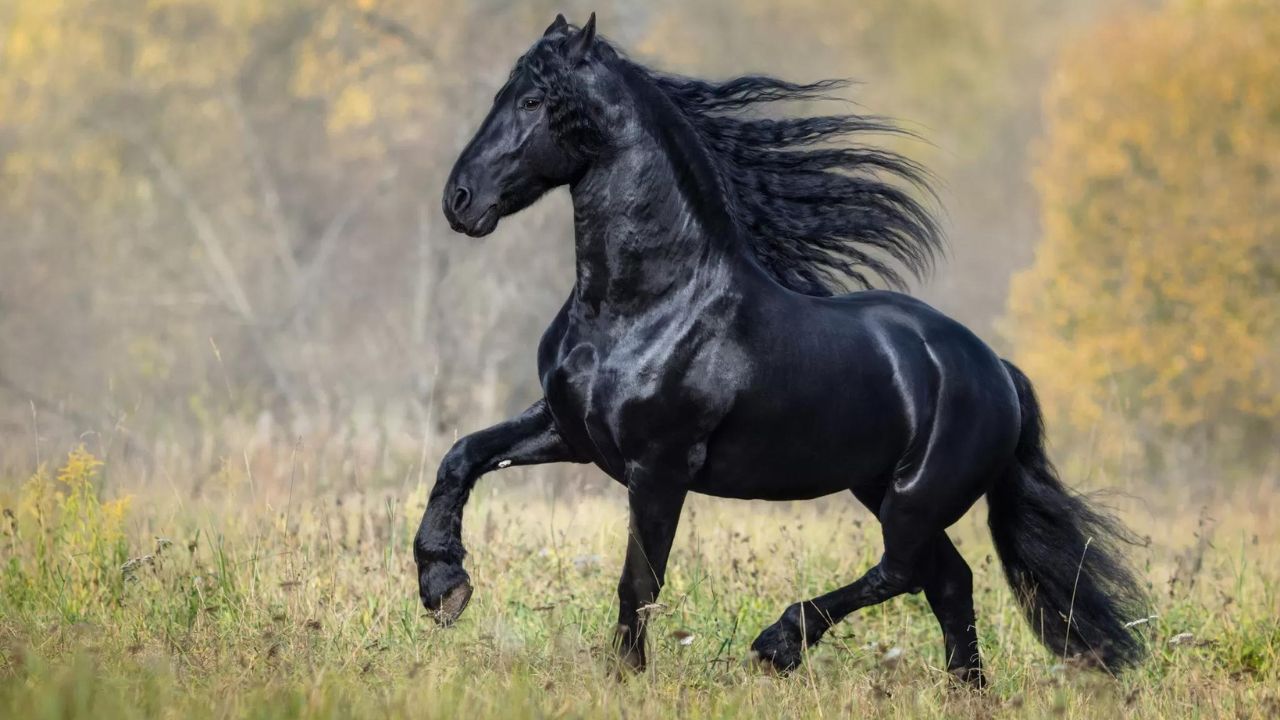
(914, 513)
(802, 625)
(949, 590)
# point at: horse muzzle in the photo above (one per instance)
(465, 214)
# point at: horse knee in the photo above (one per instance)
(455, 467)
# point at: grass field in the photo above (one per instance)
(297, 602)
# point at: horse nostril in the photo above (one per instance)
(461, 199)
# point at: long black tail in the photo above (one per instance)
(1060, 555)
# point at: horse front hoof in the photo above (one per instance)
(778, 649)
(445, 590)
(452, 603)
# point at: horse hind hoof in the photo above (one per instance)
(629, 664)
(774, 652)
(452, 603)
(972, 678)
(771, 664)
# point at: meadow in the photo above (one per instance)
(270, 595)
(237, 334)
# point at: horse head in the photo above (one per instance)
(540, 133)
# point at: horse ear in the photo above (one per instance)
(582, 43)
(556, 25)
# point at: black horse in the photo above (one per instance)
(706, 348)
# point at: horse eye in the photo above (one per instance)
(530, 103)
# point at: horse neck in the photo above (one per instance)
(651, 222)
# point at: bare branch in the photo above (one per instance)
(266, 183)
(204, 229)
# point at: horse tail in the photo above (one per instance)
(1060, 554)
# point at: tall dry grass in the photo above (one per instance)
(267, 590)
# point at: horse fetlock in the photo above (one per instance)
(807, 622)
(437, 546)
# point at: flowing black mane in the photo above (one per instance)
(817, 216)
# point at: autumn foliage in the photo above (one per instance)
(1150, 318)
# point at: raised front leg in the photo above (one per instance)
(529, 439)
(655, 513)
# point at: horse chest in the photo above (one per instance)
(627, 401)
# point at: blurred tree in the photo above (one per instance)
(211, 208)
(1152, 311)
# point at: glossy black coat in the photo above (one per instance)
(680, 364)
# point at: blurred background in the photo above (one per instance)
(221, 246)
